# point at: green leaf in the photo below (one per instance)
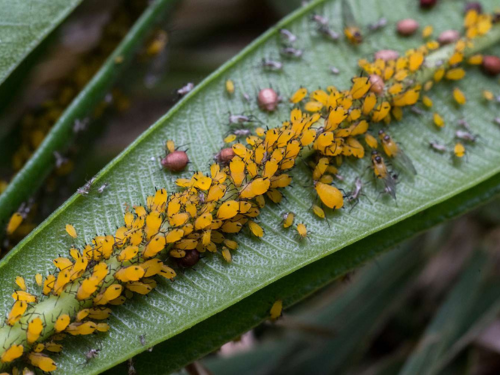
(450, 318)
(440, 190)
(24, 25)
(26, 182)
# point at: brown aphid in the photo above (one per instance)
(225, 155)
(192, 257)
(448, 37)
(386, 55)
(377, 84)
(268, 99)
(491, 65)
(175, 161)
(427, 3)
(407, 27)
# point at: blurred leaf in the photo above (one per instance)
(353, 315)
(440, 190)
(24, 25)
(451, 316)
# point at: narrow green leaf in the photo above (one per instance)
(200, 122)
(24, 25)
(33, 174)
(450, 317)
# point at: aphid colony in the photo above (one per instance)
(209, 210)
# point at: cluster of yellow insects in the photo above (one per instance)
(209, 209)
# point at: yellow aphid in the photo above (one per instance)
(255, 228)
(62, 280)
(12, 353)
(179, 219)
(439, 74)
(53, 347)
(170, 146)
(237, 168)
(427, 101)
(20, 282)
(230, 87)
(140, 210)
(369, 103)
(23, 296)
(276, 310)
(299, 95)
(231, 227)
(186, 244)
(82, 314)
(61, 323)
(38, 348)
(360, 87)
(258, 186)
(128, 218)
(203, 221)
(102, 327)
(70, 229)
(153, 223)
(76, 329)
(160, 200)
(42, 361)
(455, 74)
(35, 328)
(87, 288)
(427, 31)
(228, 210)
(371, 141)
(14, 222)
(459, 96)
(302, 230)
(318, 211)
(233, 245)
(313, 106)
(131, 273)
(139, 287)
(174, 235)
(330, 195)
(226, 254)
(155, 245)
(438, 120)
(415, 61)
(475, 60)
(488, 95)
(48, 284)
(128, 253)
(456, 58)
(150, 267)
(16, 312)
(100, 313)
(38, 279)
(167, 272)
(230, 138)
(288, 219)
(459, 150)
(62, 263)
